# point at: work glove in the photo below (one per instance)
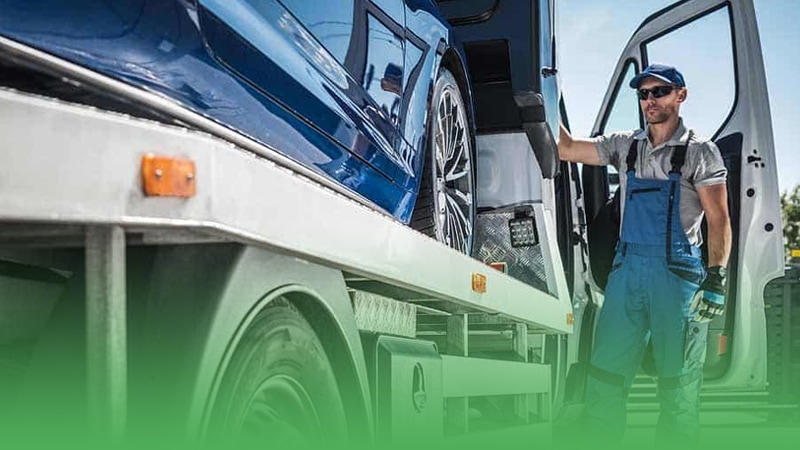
(709, 301)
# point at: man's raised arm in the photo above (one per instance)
(576, 149)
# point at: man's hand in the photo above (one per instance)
(576, 150)
(709, 301)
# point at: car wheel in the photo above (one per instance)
(445, 207)
(279, 389)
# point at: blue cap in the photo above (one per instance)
(663, 72)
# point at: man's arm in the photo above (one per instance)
(709, 301)
(576, 149)
(714, 200)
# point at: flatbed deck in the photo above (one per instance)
(66, 166)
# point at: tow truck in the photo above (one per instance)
(162, 282)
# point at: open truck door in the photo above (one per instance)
(715, 43)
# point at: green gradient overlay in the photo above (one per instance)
(53, 416)
(43, 402)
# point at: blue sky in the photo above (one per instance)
(592, 34)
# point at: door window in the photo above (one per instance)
(623, 116)
(624, 112)
(383, 73)
(330, 22)
(710, 74)
(547, 58)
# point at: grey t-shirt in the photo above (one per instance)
(703, 167)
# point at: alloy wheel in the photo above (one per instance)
(453, 179)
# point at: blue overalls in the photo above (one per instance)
(655, 273)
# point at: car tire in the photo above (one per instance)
(279, 388)
(445, 207)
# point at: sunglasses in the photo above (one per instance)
(658, 92)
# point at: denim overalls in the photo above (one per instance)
(655, 273)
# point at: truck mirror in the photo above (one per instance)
(540, 136)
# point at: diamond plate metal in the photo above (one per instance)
(384, 315)
(493, 244)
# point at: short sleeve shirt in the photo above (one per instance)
(703, 167)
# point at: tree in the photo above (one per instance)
(790, 207)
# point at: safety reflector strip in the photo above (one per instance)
(479, 283)
(168, 177)
(722, 344)
(499, 266)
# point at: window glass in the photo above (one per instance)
(623, 116)
(383, 77)
(547, 59)
(624, 113)
(329, 21)
(708, 71)
(546, 48)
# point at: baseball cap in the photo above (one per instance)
(663, 72)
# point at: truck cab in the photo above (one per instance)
(511, 52)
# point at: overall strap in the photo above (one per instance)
(679, 155)
(633, 152)
(677, 160)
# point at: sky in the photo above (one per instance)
(593, 33)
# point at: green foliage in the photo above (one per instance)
(790, 208)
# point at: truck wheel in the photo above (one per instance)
(279, 388)
(445, 207)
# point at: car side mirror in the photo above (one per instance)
(540, 136)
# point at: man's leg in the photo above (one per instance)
(618, 347)
(679, 345)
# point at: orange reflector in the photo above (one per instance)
(570, 319)
(168, 177)
(479, 283)
(722, 344)
(501, 266)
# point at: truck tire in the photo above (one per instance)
(279, 388)
(782, 308)
(445, 207)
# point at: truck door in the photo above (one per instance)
(715, 44)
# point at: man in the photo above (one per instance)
(658, 288)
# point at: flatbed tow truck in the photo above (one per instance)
(162, 280)
(76, 184)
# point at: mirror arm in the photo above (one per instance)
(540, 136)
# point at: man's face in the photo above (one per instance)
(659, 110)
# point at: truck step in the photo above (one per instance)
(722, 397)
(721, 406)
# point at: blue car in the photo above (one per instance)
(371, 93)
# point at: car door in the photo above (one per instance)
(715, 44)
(338, 64)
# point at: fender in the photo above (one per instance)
(455, 61)
(201, 300)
